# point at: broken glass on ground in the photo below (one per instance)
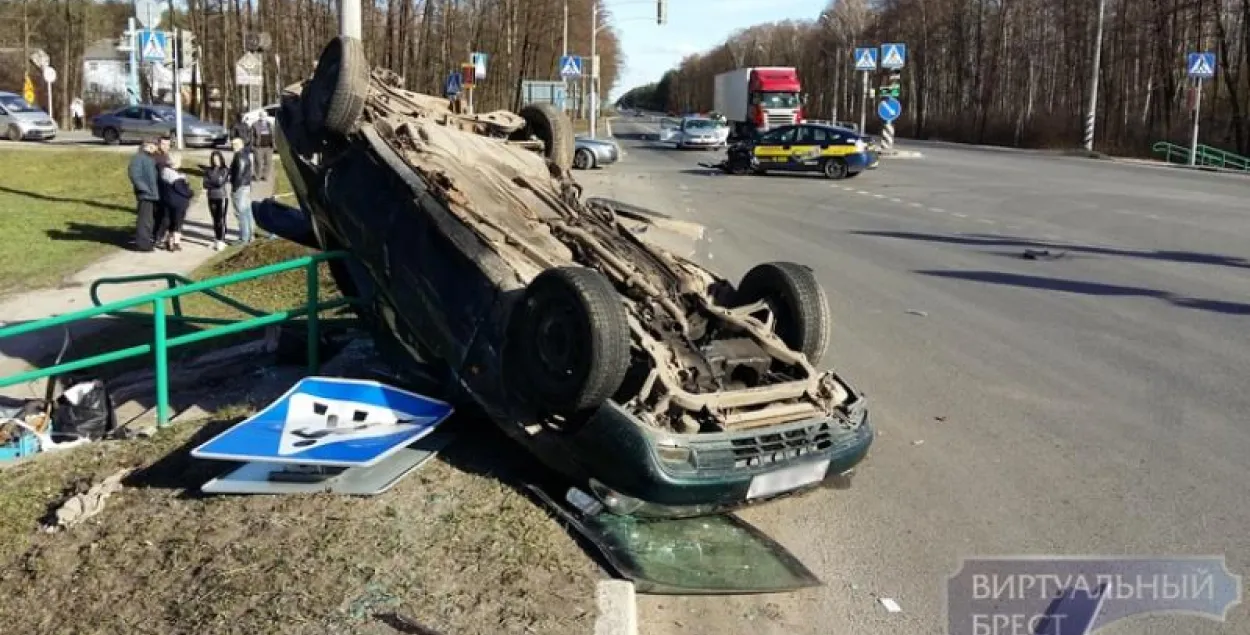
(704, 555)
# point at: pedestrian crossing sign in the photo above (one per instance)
(570, 66)
(893, 55)
(1201, 65)
(866, 59)
(152, 45)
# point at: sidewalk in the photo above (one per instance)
(18, 353)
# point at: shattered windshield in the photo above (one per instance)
(777, 100)
(700, 124)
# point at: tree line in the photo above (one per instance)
(1009, 72)
(422, 40)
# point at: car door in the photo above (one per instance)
(670, 130)
(133, 123)
(813, 144)
(773, 149)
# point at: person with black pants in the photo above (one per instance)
(145, 181)
(176, 196)
(216, 178)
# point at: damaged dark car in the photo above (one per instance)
(658, 387)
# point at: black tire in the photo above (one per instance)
(111, 136)
(334, 99)
(553, 128)
(568, 340)
(800, 308)
(583, 159)
(14, 133)
(834, 168)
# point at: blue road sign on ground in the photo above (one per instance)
(893, 56)
(1201, 65)
(451, 87)
(866, 59)
(889, 109)
(152, 45)
(570, 66)
(330, 421)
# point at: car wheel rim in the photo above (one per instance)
(553, 342)
(835, 170)
(15, 134)
(582, 160)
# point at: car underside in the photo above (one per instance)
(584, 315)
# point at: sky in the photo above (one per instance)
(694, 26)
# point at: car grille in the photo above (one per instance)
(776, 121)
(766, 450)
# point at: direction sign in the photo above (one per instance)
(1201, 65)
(152, 45)
(570, 66)
(893, 55)
(451, 87)
(889, 109)
(866, 59)
(479, 65)
(330, 421)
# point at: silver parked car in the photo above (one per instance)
(135, 123)
(695, 132)
(20, 120)
(589, 152)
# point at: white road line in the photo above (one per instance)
(937, 210)
(879, 195)
(864, 193)
(916, 204)
(896, 200)
(985, 220)
(958, 215)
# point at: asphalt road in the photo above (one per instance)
(1091, 404)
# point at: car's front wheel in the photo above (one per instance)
(15, 133)
(111, 136)
(834, 168)
(800, 309)
(334, 99)
(568, 340)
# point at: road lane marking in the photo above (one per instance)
(879, 195)
(937, 210)
(916, 204)
(864, 193)
(896, 200)
(958, 215)
(985, 220)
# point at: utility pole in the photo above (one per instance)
(177, 84)
(566, 28)
(134, 60)
(594, 68)
(1092, 114)
(349, 18)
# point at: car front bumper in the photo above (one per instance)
(204, 141)
(636, 470)
(39, 133)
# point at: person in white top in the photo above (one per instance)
(76, 111)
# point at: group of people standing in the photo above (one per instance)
(163, 194)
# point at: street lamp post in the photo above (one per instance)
(349, 18)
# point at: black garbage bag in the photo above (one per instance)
(84, 410)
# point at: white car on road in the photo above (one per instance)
(694, 132)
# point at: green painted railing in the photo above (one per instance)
(1205, 156)
(179, 286)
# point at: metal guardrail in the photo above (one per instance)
(180, 286)
(1205, 156)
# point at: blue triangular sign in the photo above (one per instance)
(1201, 67)
(571, 67)
(866, 59)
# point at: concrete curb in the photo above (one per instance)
(901, 154)
(618, 609)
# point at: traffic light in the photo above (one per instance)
(661, 11)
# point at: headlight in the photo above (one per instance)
(860, 145)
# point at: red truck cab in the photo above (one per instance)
(775, 98)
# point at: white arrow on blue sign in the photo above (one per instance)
(889, 109)
(866, 59)
(1201, 65)
(570, 66)
(893, 56)
(330, 421)
(152, 45)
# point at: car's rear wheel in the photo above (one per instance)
(15, 133)
(112, 136)
(334, 98)
(553, 128)
(584, 159)
(834, 168)
(568, 340)
(800, 309)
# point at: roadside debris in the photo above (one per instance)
(919, 313)
(890, 605)
(83, 506)
(918, 442)
(1042, 254)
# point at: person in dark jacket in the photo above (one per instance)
(176, 197)
(262, 142)
(240, 130)
(144, 178)
(241, 186)
(216, 181)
